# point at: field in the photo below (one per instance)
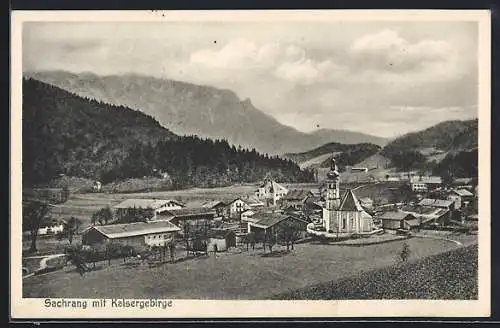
(451, 275)
(235, 275)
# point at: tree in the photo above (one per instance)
(405, 253)
(33, 214)
(103, 216)
(271, 241)
(71, 228)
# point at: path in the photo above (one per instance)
(420, 235)
(43, 262)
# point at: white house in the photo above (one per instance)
(424, 183)
(51, 228)
(272, 191)
(236, 207)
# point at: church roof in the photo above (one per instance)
(350, 203)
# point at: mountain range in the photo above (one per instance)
(190, 109)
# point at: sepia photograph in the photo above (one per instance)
(250, 164)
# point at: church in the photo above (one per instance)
(344, 215)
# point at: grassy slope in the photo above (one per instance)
(451, 275)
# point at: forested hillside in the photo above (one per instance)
(345, 154)
(455, 142)
(66, 134)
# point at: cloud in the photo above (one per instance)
(287, 62)
(387, 57)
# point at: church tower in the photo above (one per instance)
(330, 214)
(333, 187)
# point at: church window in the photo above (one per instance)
(344, 223)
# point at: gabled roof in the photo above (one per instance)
(135, 229)
(189, 211)
(436, 202)
(267, 220)
(145, 203)
(277, 186)
(396, 215)
(213, 203)
(463, 192)
(297, 194)
(236, 199)
(350, 203)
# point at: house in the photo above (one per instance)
(274, 223)
(429, 216)
(461, 197)
(397, 220)
(217, 205)
(156, 205)
(97, 186)
(52, 227)
(271, 191)
(424, 183)
(138, 235)
(440, 203)
(220, 240)
(236, 207)
(190, 219)
(295, 199)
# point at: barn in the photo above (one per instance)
(274, 223)
(138, 235)
(397, 220)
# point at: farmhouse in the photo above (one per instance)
(141, 234)
(430, 216)
(190, 218)
(397, 220)
(236, 207)
(156, 205)
(217, 205)
(274, 223)
(271, 191)
(424, 183)
(461, 197)
(295, 199)
(440, 203)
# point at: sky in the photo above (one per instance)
(381, 78)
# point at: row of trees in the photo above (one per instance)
(203, 162)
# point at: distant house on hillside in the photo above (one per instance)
(271, 191)
(424, 183)
(156, 205)
(137, 235)
(97, 186)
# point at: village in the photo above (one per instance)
(272, 219)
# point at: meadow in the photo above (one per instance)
(237, 274)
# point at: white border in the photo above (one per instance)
(33, 308)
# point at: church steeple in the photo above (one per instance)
(333, 186)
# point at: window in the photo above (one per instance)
(344, 223)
